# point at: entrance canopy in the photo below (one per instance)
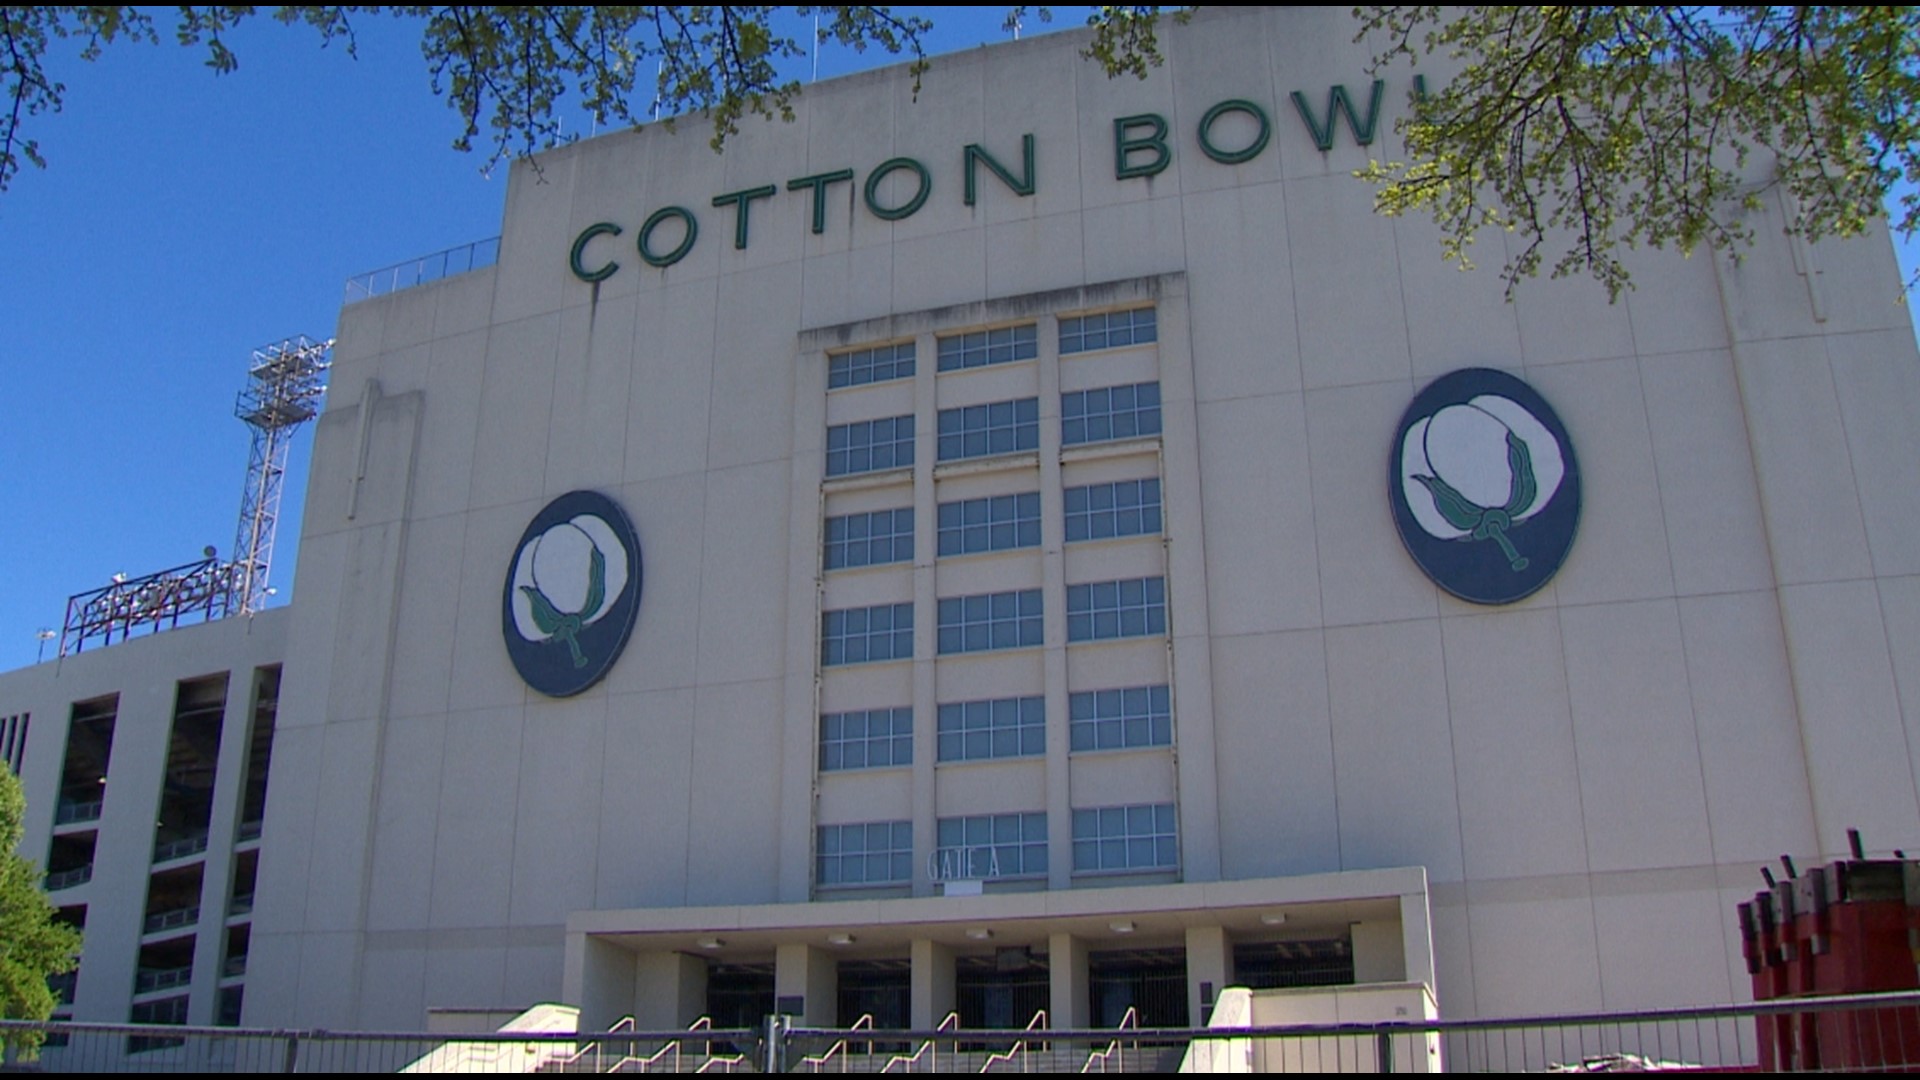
(654, 963)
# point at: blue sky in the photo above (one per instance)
(184, 220)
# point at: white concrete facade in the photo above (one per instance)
(1723, 670)
(166, 907)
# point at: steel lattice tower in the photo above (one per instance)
(283, 391)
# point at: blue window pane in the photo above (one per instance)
(1115, 719)
(1110, 609)
(989, 621)
(980, 430)
(1002, 727)
(1125, 838)
(856, 635)
(992, 846)
(878, 853)
(869, 445)
(870, 365)
(1118, 412)
(980, 348)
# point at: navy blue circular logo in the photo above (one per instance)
(1484, 485)
(573, 593)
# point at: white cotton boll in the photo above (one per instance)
(1413, 462)
(1467, 448)
(562, 567)
(1543, 450)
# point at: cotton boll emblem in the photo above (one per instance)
(566, 581)
(572, 593)
(1483, 462)
(1487, 466)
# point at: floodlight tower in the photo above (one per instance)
(283, 391)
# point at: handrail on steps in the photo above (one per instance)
(673, 1048)
(865, 1023)
(907, 1062)
(1103, 1057)
(718, 1062)
(625, 1023)
(1020, 1049)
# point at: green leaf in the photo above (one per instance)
(596, 583)
(1460, 512)
(1587, 132)
(545, 615)
(34, 943)
(1520, 463)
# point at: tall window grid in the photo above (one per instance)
(873, 365)
(1141, 837)
(1104, 511)
(991, 846)
(1006, 620)
(869, 446)
(870, 539)
(866, 739)
(859, 635)
(1120, 719)
(1004, 427)
(1102, 610)
(983, 347)
(1108, 330)
(999, 523)
(1112, 412)
(997, 728)
(874, 853)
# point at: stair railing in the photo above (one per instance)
(670, 1052)
(624, 1024)
(715, 1062)
(1110, 1059)
(1021, 1049)
(819, 1063)
(927, 1049)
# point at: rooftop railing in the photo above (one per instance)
(440, 264)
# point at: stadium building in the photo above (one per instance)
(1035, 541)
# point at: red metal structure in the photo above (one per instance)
(1849, 927)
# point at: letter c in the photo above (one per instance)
(604, 228)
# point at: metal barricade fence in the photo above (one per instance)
(1850, 1033)
(89, 1047)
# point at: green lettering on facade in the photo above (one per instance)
(741, 200)
(1140, 149)
(1126, 144)
(905, 209)
(1245, 153)
(1337, 103)
(604, 228)
(818, 182)
(644, 242)
(977, 154)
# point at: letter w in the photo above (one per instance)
(1338, 102)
